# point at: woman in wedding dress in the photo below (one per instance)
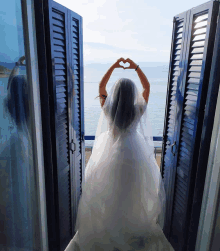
(123, 201)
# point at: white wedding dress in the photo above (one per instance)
(123, 192)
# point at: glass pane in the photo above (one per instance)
(19, 222)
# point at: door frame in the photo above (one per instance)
(29, 29)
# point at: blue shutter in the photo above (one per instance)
(59, 31)
(176, 70)
(191, 102)
(65, 67)
(76, 54)
(206, 135)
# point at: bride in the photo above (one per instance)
(123, 201)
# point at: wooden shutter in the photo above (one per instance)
(63, 35)
(176, 70)
(62, 130)
(191, 100)
(76, 54)
(206, 135)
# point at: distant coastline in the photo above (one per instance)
(4, 75)
(4, 72)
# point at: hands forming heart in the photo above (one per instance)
(128, 60)
(105, 79)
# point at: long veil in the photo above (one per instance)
(122, 192)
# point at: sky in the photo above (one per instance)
(137, 29)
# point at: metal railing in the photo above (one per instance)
(155, 138)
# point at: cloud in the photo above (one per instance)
(112, 29)
(100, 52)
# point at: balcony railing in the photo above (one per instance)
(157, 149)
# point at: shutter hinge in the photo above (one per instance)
(70, 146)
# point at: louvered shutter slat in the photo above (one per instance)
(59, 67)
(200, 31)
(60, 89)
(59, 60)
(59, 48)
(200, 24)
(58, 42)
(58, 23)
(188, 125)
(58, 15)
(193, 87)
(74, 34)
(195, 69)
(180, 194)
(193, 81)
(58, 54)
(189, 121)
(183, 172)
(58, 29)
(195, 74)
(58, 36)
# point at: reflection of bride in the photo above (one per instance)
(17, 180)
(123, 192)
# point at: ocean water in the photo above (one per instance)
(157, 74)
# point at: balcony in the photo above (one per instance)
(157, 150)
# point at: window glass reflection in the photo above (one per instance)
(19, 222)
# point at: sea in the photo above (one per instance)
(157, 74)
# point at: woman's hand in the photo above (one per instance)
(117, 65)
(132, 64)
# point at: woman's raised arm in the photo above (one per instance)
(103, 83)
(105, 79)
(145, 84)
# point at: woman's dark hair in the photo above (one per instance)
(123, 109)
(16, 103)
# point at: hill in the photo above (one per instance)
(4, 70)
